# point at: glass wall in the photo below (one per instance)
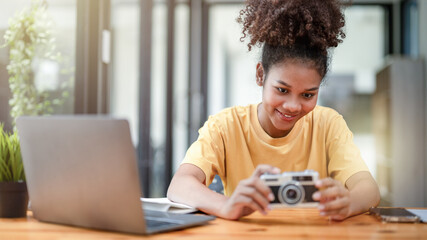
(158, 96)
(159, 88)
(411, 19)
(231, 69)
(124, 76)
(181, 76)
(351, 82)
(124, 84)
(50, 66)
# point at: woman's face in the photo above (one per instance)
(290, 91)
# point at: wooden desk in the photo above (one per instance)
(278, 224)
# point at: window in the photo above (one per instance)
(52, 76)
(351, 81)
(124, 79)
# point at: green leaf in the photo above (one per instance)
(30, 36)
(11, 165)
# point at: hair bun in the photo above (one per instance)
(314, 23)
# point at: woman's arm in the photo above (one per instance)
(188, 187)
(339, 202)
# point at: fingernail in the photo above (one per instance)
(318, 183)
(271, 197)
(316, 196)
(321, 207)
(322, 214)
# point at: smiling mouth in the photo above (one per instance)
(286, 117)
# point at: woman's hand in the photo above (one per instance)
(250, 195)
(334, 199)
(339, 202)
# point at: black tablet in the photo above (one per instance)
(394, 215)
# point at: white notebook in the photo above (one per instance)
(422, 213)
(165, 205)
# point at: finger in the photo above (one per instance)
(338, 214)
(331, 189)
(247, 210)
(339, 217)
(245, 201)
(264, 168)
(256, 196)
(337, 209)
(337, 204)
(334, 192)
(330, 194)
(255, 188)
(326, 182)
(261, 187)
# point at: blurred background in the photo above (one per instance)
(166, 65)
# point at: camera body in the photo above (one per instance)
(292, 189)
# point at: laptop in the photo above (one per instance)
(82, 171)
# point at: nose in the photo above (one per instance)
(292, 106)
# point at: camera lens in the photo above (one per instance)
(291, 194)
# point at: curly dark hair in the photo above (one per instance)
(293, 29)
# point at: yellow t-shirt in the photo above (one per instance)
(232, 143)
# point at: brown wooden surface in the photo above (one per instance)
(278, 224)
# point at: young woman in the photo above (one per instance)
(286, 131)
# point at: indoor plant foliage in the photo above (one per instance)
(11, 166)
(13, 188)
(30, 41)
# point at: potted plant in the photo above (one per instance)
(13, 188)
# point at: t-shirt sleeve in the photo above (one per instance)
(207, 152)
(344, 156)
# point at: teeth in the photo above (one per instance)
(288, 116)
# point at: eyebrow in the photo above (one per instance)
(289, 86)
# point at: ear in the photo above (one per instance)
(259, 74)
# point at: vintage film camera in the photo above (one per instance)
(292, 189)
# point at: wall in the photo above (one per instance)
(423, 54)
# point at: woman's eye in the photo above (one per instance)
(308, 95)
(282, 90)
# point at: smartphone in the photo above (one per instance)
(394, 215)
